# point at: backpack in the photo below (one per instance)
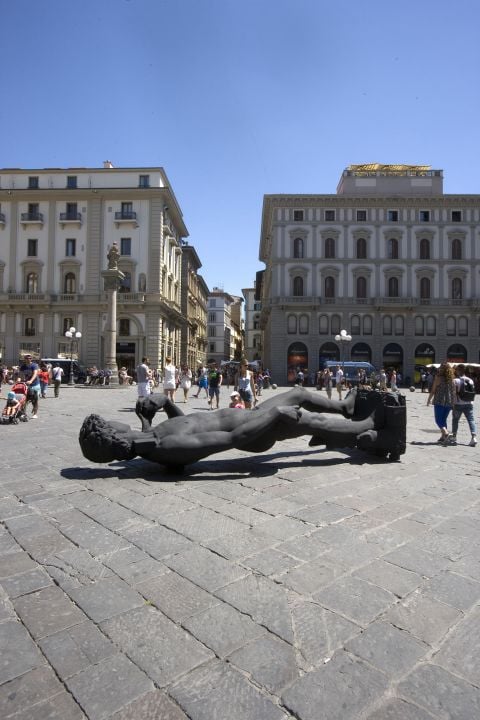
(467, 390)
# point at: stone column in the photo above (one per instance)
(112, 278)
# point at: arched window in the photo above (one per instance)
(323, 325)
(457, 289)
(361, 287)
(31, 283)
(298, 286)
(387, 325)
(329, 287)
(431, 325)
(355, 324)
(298, 248)
(419, 325)
(463, 325)
(424, 249)
(70, 284)
(303, 324)
(367, 325)
(425, 288)
(399, 325)
(393, 287)
(392, 248)
(336, 321)
(292, 324)
(456, 249)
(361, 248)
(30, 326)
(126, 285)
(67, 324)
(329, 248)
(451, 325)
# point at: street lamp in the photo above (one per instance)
(74, 336)
(343, 339)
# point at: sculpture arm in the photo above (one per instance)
(147, 407)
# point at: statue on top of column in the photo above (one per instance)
(113, 257)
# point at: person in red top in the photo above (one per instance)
(44, 377)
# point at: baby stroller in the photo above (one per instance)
(15, 409)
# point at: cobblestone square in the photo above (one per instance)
(301, 583)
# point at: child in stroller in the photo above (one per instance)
(14, 410)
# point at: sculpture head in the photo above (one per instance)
(101, 442)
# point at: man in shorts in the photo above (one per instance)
(30, 371)
(214, 383)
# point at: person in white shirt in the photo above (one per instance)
(339, 381)
(57, 374)
(143, 378)
(169, 379)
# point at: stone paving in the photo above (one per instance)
(298, 584)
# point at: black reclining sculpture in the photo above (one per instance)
(369, 420)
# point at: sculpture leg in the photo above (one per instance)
(315, 402)
(336, 431)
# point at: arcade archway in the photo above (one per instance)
(361, 352)
(393, 357)
(297, 359)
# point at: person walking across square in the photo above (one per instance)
(143, 378)
(57, 374)
(465, 394)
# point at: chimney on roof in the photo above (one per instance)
(107, 164)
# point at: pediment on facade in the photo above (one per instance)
(361, 270)
(298, 270)
(299, 232)
(393, 270)
(327, 270)
(425, 233)
(361, 233)
(393, 233)
(457, 272)
(425, 271)
(333, 233)
(456, 234)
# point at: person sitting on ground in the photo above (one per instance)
(236, 401)
(124, 377)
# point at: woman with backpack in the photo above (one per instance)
(465, 395)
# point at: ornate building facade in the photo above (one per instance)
(224, 326)
(194, 300)
(389, 258)
(56, 227)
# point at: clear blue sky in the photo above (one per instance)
(239, 98)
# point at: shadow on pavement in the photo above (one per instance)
(221, 469)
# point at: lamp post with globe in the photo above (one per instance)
(343, 338)
(74, 336)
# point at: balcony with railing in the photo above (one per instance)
(70, 218)
(30, 298)
(125, 217)
(31, 218)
